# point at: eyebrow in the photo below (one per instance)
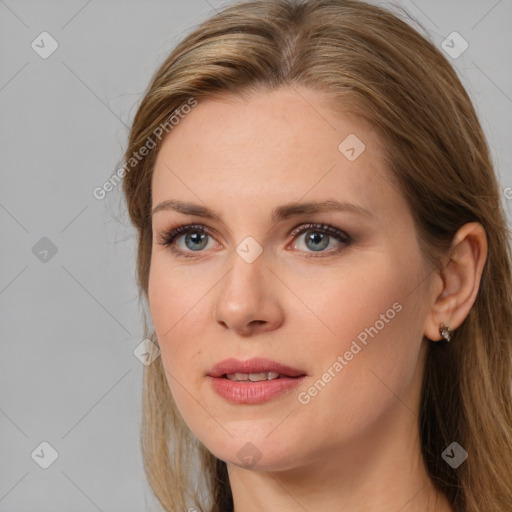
(278, 214)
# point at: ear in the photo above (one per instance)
(457, 284)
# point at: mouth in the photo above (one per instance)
(254, 370)
(254, 377)
(253, 381)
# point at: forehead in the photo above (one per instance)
(268, 147)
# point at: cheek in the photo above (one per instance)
(173, 296)
(378, 336)
(179, 315)
(373, 320)
(178, 312)
(360, 304)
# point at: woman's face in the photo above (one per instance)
(342, 302)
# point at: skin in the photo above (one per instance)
(355, 446)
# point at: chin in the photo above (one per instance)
(257, 452)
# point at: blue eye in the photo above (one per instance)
(318, 237)
(196, 237)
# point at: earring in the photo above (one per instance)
(446, 332)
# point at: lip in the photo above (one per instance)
(248, 392)
(255, 365)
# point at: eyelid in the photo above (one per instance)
(331, 230)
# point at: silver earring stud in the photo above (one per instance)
(446, 332)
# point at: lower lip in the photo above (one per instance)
(247, 392)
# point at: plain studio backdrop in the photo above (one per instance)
(71, 76)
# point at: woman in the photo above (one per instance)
(326, 260)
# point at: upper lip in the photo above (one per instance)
(255, 365)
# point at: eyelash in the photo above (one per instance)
(168, 238)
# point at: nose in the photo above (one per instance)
(247, 300)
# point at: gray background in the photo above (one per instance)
(70, 321)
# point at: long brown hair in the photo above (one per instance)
(368, 59)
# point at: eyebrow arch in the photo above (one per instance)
(278, 214)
